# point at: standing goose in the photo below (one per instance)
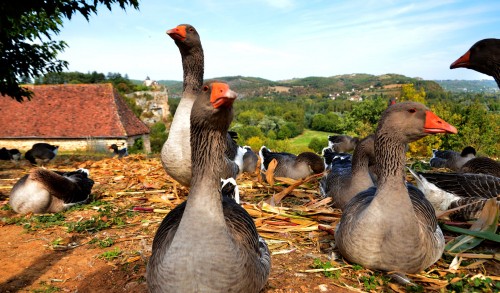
(290, 165)
(45, 191)
(209, 243)
(393, 227)
(342, 184)
(451, 159)
(176, 151)
(484, 57)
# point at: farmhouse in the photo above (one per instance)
(72, 116)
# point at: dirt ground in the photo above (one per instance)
(104, 246)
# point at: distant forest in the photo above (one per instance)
(269, 113)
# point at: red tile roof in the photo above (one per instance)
(69, 111)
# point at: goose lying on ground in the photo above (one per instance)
(344, 182)
(41, 153)
(484, 57)
(45, 191)
(290, 165)
(209, 243)
(451, 159)
(450, 190)
(342, 143)
(393, 227)
(118, 152)
(482, 165)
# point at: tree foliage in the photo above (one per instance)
(26, 45)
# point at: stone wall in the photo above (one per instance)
(90, 144)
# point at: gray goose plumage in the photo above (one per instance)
(344, 182)
(451, 159)
(290, 165)
(482, 165)
(209, 243)
(450, 190)
(393, 227)
(342, 143)
(484, 57)
(44, 191)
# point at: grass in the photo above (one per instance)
(301, 143)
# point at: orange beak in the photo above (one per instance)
(434, 124)
(462, 61)
(222, 95)
(178, 33)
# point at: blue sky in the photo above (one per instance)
(284, 39)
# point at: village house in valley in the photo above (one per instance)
(72, 116)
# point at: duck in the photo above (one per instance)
(393, 227)
(451, 159)
(208, 243)
(117, 152)
(290, 165)
(344, 181)
(45, 191)
(176, 151)
(41, 153)
(484, 57)
(447, 191)
(342, 143)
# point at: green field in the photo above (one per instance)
(300, 143)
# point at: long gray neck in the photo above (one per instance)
(193, 67)
(390, 159)
(360, 159)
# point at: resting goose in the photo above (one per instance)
(392, 227)
(451, 159)
(45, 191)
(250, 160)
(12, 154)
(484, 57)
(482, 165)
(450, 190)
(344, 182)
(209, 243)
(176, 151)
(342, 143)
(290, 165)
(41, 153)
(332, 158)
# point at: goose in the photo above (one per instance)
(484, 57)
(344, 182)
(450, 190)
(209, 243)
(41, 153)
(45, 191)
(117, 152)
(10, 154)
(482, 165)
(331, 157)
(176, 151)
(342, 143)
(290, 165)
(451, 159)
(250, 160)
(392, 227)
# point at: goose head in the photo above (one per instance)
(185, 36)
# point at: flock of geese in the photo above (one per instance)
(209, 243)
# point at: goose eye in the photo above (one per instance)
(205, 88)
(412, 110)
(191, 29)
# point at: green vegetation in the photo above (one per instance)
(318, 264)
(111, 255)
(465, 283)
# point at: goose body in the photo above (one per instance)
(392, 227)
(342, 143)
(482, 165)
(45, 191)
(118, 152)
(12, 154)
(451, 159)
(484, 57)
(41, 153)
(250, 160)
(344, 182)
(334, 159)
(450, 190)
(209, 243)
(290, 165)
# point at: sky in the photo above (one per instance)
(284, 39)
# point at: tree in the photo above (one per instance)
(26, 45)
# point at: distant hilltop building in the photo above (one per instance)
(150, 83)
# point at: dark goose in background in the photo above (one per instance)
(290, 165)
